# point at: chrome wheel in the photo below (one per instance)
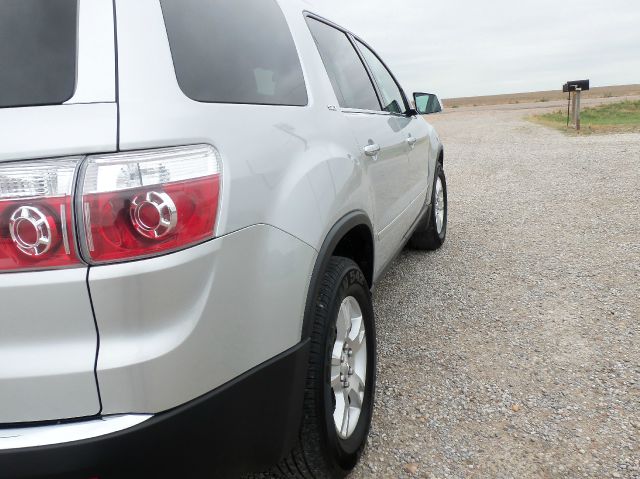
(348, 367)
(440, 205)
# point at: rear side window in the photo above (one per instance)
(38, 43)
(238, 51)
(346, 71)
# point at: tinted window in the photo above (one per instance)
(37, 51)
(346, 71)
(238, 51)
(391, 94)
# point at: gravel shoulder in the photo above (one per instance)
(515, 350)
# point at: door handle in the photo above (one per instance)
(412, 141)
(372, 149)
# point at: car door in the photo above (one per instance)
(413, 135)
(381, 134)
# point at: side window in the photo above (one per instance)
(239, 51)
(391, 95)
(38, 42)
(346, 71)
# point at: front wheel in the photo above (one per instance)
(340, 379)
(432, 234)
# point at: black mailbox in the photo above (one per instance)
(583, 85)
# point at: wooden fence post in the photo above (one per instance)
(578, 92)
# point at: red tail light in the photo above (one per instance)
(36, 224)
(141, 204)
(128, 206)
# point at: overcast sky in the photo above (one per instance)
(474, 47)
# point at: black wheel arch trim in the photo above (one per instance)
(336, 233)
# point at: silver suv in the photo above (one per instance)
(196, 199)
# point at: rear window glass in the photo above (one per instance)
(238, 51)
(38, 42)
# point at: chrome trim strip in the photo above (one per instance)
(87, 226)
(365, 112)
(38, 436)
(63, 227)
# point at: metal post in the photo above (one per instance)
(573, 108)
(578, 92)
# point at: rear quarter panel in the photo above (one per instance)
(175, 327)
(296, 168)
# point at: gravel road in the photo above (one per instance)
(515, 350)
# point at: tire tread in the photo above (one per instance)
(306, 460)
(427, 238)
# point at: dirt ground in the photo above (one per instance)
(514, 351)
(542, 96)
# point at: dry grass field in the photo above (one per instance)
(619, 117)
(541, 96)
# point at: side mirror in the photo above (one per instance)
(427, 103)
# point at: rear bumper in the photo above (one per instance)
(246, 425)
(48, 345)
(175, 327)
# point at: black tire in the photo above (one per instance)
(426, 236)
(320, 452)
